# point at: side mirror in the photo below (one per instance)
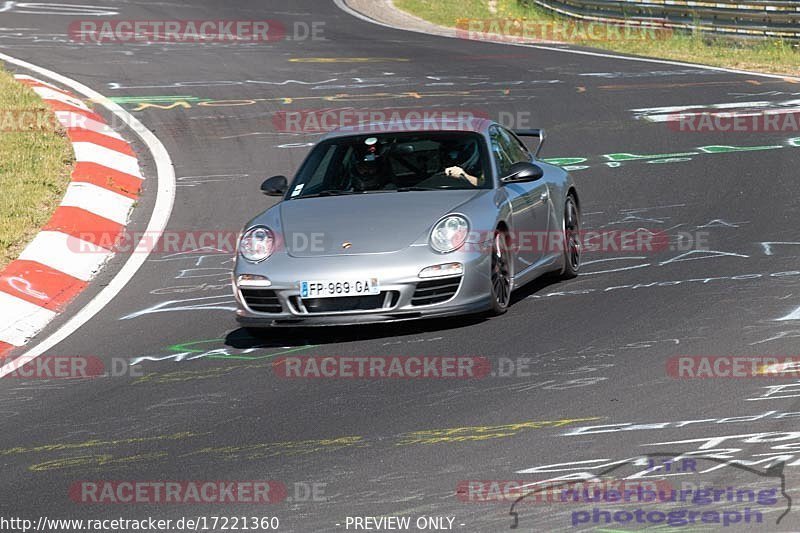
(275, 186)
(521, 172)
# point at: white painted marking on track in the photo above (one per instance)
(204, 303)
(769, 244)
(15, 331)
(794, 315)
(52, 8)
(94, 153)
(70, 255)
(100, 201)
(26, 287)
(708, 254)
(165, 199)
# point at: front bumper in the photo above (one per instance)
(404, 295)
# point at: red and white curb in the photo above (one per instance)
(59, 263)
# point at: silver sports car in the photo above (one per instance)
(385, 223)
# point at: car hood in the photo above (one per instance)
(371, 223)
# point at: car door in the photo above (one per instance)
(529, 201)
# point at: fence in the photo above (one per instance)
(762, 18)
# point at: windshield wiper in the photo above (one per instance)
(331, 192)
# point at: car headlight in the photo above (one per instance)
(257, 244)
(449, 234)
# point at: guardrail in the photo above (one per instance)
(761, 18)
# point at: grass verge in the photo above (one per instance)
(35, 165)
(769, 55)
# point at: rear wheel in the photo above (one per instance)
(572, 238)
(501, 274)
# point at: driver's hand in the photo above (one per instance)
(458, 172)
(455, 172)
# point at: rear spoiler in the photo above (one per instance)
(538, 132)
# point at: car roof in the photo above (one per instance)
(468, 124)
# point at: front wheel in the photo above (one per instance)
(572, 238)
(501, 274)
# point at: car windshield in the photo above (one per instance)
(394, 162)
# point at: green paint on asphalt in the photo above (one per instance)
(616, 159)
(185, 347)
(253, 358)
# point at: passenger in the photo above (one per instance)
(369, 172)
(367, 176)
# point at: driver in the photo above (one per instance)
(458, 156)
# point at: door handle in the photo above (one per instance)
(543, 197)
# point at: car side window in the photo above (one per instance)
(319, 175)
(500, 151)
(518, 151)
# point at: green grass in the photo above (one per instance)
(34, 169)
(774, 56)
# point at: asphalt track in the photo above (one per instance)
(597, 345)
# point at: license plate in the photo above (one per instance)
(334, 288)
